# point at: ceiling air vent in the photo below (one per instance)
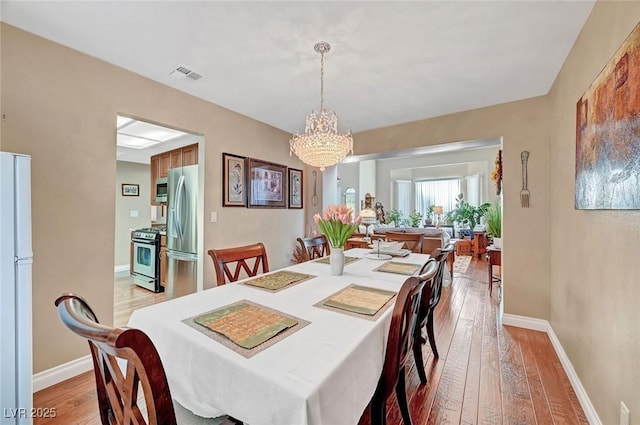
(185, 74)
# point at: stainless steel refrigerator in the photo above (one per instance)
(182, 231)
(16, 260)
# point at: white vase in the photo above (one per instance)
(497, 242)
(336, 260)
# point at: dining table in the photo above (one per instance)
(321, 371)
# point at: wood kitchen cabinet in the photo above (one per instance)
(163, 261)
(162, 163)
(190, 155)
(154, 168)
(165, 164)
(176, 158)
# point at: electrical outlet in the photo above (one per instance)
(624, 414)
(214, 217)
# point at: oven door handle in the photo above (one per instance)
(144, 241)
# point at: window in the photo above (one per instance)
(436, 192)
(350, 198)
(473, 190)
(403, 196)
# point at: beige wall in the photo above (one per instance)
(524, 125)
(136, 173)
(61, 107)
(594, 269)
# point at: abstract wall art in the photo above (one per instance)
(608, 134)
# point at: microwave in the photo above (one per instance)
(161, 190)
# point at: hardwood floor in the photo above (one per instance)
(127, 297)
(485, 374)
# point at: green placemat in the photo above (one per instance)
(278, 280)
(360, 299)
(247, 325)
(399, 268)
(347, 260)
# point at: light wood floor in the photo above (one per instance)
(128, 297)
(485, 375)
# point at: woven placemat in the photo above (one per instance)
(347, 260)
(277, 281)
(253, 312)
(398, 268)
(358, 295)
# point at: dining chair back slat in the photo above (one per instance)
(237, 258)
(314, 247)
(399, 344)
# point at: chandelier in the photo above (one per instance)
(321, 145)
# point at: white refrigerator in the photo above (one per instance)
(16, 257)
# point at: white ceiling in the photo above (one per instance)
(138, 141)
(391, 62)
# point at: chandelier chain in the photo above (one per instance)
(321, 80)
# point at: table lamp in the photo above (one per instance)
(437, 211)
(368, 218)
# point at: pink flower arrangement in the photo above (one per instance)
(337, 224)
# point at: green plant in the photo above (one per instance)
(494, 220)
(394, 215)
(466, 214)
(414, 219)
(428, 215)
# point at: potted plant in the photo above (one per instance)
(494, 224)
(394, 216)
(428, 215)
(467, 215)
(414, 219)
(337, 224)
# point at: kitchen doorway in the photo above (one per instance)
(147, 152)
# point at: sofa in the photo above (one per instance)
(433, 237)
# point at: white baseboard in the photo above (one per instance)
(526, 322)
(545, 326)
(121, 268)
(61, 373)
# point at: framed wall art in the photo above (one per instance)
(266, 184)
(129, 189)
(607, 128)
(295, 188)
(234, 186)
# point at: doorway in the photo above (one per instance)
(146, 152)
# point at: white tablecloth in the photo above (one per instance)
(325, 373)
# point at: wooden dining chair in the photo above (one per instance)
(399, 344)
(428, 303)
(223, 258)
(136, 394)
(314, 247)
(412, 241)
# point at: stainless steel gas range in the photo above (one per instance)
(145, 244)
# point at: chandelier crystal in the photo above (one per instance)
(321, 145)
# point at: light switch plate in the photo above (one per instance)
(133, 213)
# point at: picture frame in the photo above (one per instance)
(607, 124)
(234, 180)
(296, 188)
(129, 189)
(267, 187)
